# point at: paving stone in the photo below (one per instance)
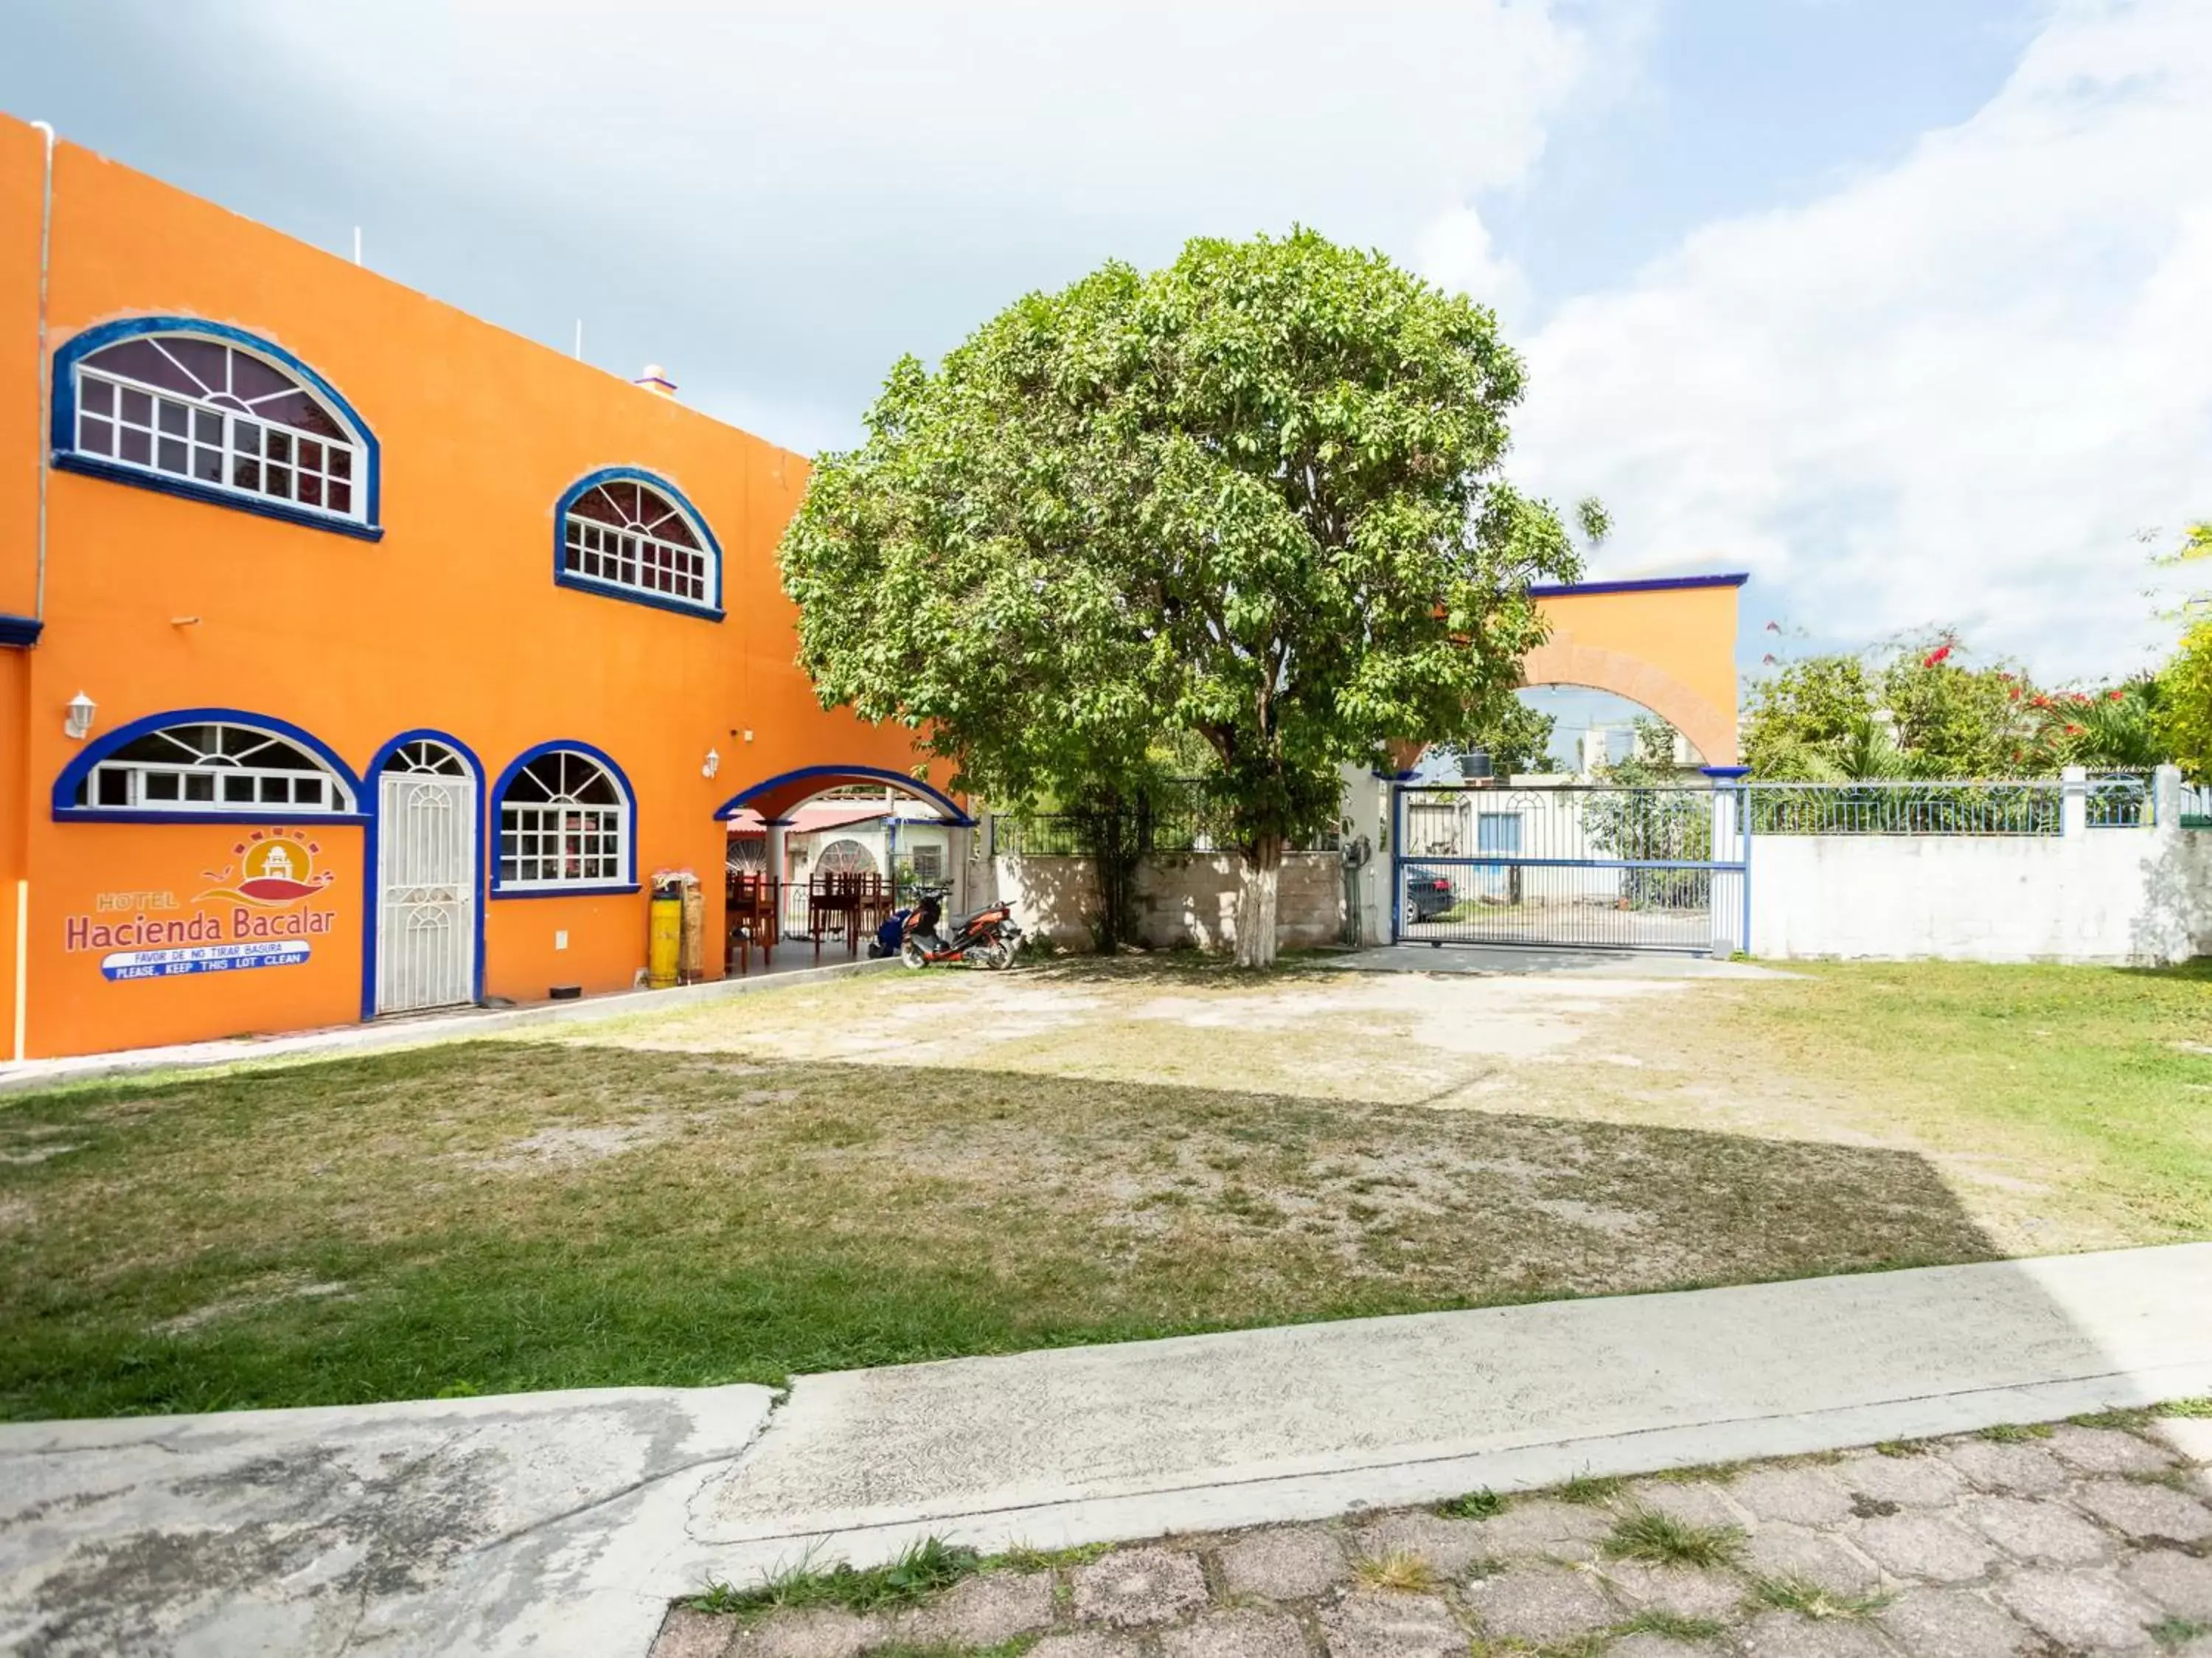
(2023, 1470)
(1562, 1531)
(1685, 1591)
(982, 1612)
(2085, 1609)
(2182, 1583)
(1660, 1646)
(2190, 1436)
(1780, 1551)
(2105, 1451)
(1539, 1605)
(1392, 1626)
(2033, 1529)
(1449, 1547)
(1288, 1564)
(1909, 1482)
(1693, 1502)
(1804, 1496)
(1139, 1586)
(1785, 1634)
(1236, 1635)
(1082, 1644)
(688, 1634)
(1952, 1624)
(821, 1632)
(1926, 1547)
(2142, 1511)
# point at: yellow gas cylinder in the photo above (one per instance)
(664, 951)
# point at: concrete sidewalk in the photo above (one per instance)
(564, 1523)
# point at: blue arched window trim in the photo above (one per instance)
(627, 884)
(831, 776)
(371, 897)
(66, 810)
(66, 457)
(563, 576)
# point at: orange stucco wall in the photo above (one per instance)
(1672, 649)
(451, 621)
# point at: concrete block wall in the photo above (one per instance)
(1181, 898)
(2113, 896)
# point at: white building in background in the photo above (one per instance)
(851, 833)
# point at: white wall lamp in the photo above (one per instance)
(77, 722)
(714, 764)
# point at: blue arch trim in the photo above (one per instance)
(370, 910)
(832, 775)
(67, 458)
(66, 810)
(628, 883)
(563, 576)
(1641, 584)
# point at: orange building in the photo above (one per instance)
(355, 656)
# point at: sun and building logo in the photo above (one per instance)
(274, 867)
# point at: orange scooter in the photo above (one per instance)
(989, 936)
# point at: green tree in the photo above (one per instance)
(2182, 718)
(1800, 723)
(1922, 710)
(1644, 812)
(1517, 739)
(1257, 496)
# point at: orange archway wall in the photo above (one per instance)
(1667, 643)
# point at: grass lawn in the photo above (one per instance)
(899, 1167)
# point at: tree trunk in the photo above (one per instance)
(1255, 904)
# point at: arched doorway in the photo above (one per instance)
(793, 834)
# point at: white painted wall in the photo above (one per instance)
(2113, 896)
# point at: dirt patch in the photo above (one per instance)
(252, 1297)
(568, 1148)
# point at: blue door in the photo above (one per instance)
(1497, 832)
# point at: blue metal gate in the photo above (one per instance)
(1590, 864)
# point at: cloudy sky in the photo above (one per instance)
(1903, 306)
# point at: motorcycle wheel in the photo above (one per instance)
(912, 956)
(996, 955)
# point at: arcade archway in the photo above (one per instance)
(1667, 643)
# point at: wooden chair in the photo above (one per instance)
(753, 916)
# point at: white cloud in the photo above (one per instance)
(1952, 391)
(776, 203)
(1454, 251)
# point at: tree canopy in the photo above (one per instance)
(1926, 709)
(1256, 496)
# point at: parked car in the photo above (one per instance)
(1428, 895)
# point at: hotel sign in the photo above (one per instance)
(260, 912)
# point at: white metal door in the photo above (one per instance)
(426, 881)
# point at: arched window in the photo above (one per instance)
(212, 766)
(564, 822)
(632, 536)
(845, 857)
(216, 414)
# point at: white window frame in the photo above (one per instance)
(590, 547)
(229, 442)
(549, 823)
(145, 782)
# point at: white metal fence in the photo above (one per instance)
(2110, 800)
